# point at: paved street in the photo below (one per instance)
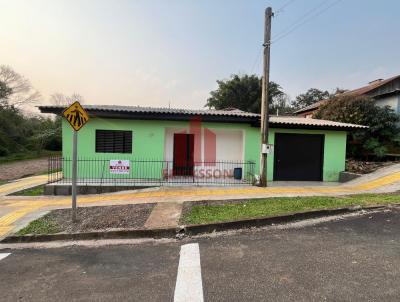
(352, 259)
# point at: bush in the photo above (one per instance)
(383, 123)
(22, 134)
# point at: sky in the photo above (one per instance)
(164, 53)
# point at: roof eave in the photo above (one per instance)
(253, 120)
(157, 116)
(316, 127)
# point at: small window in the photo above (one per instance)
(113, 141)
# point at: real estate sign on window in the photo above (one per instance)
(119, 166)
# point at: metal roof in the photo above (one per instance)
(371, 86)
(356, 92)
(295, 120)
(233, 115)
(311, 107)
(138, 109)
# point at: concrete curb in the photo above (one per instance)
(118, 234)
(190, 230)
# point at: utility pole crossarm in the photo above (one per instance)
(265, 97)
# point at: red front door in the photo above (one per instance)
(183, 154)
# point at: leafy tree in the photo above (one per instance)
(19, 132)
(312, 96)
(24, 134)
(280, 105)
(339, 90)
(383, 131)
(5, 91)
(244, 92)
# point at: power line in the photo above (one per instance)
(257, 60)
(299, 22)
(303, 17)
(281, 9)
(303, 21)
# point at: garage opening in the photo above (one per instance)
(298, 157)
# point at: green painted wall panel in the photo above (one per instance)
(149, 140)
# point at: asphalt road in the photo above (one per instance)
(354, 259)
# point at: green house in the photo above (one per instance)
(162, 145)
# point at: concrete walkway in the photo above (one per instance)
(17, 211)
(22, 184)
(164, 214)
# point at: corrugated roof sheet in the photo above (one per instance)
(311, 107)
(138, 109)
(276, 120)
(295, 120)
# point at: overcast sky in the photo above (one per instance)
(153, 53)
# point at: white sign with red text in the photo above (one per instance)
(119, 166)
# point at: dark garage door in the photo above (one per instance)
(298, 157)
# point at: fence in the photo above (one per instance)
(137, 172)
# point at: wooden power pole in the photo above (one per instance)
(264, 97)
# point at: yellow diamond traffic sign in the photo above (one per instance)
(76, 116)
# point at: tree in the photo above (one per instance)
(21, 134)
(244, 92)
(339, 90)
(5, 91)
(280, 105)
(383, 131)
(312, 96)
(60, 99)
(21, 91)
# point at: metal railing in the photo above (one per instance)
(152, 172)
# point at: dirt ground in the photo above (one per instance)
(365, 167)
(23, 168)
(131, 216)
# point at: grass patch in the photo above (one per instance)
(200, 214)
(44, 225)
(35, 191)
(3, 182)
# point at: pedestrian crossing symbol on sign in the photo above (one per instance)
(76, 116)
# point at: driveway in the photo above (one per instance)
(350, 259)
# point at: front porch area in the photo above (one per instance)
(108, 175)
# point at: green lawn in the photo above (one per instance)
(200, 214)
(35, 191)
(3, 182)
(44, 225)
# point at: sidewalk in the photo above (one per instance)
(17, 211)
(22, 184)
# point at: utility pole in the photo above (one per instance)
(264, 97)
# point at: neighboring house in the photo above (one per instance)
(384, 92)
(195, 145)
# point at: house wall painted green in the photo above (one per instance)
(148, 143)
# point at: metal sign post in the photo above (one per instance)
(77, 117)
(74, 173)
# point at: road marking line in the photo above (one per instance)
(4, 255)
(189, 286)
